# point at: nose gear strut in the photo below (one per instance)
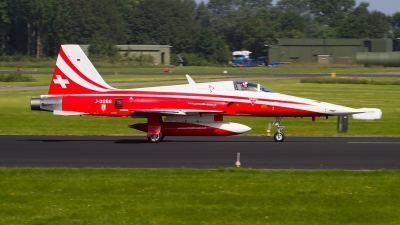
(279, 136)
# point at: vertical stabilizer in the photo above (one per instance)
(75, 74)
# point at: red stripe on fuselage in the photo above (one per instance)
(185, 95)
(93, 104)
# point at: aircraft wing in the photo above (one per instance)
(173, 112)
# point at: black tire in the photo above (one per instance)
(279, 137)
(155, 138)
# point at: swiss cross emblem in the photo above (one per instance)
(60, 81)
(253, 100)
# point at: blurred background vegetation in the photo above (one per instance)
(204, 34)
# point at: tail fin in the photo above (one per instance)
(75, 74)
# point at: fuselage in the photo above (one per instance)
(206, 97)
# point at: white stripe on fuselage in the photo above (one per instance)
(260, 101)
(261, 98)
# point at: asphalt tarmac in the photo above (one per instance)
(350, 153)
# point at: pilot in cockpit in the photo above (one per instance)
(244, 86)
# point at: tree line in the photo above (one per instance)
(202, 33)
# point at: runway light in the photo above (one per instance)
(269, 130)
(238, 160)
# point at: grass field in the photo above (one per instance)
(17, 118)
(182, 196)
(44, 80)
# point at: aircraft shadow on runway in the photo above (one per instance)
(132, 141)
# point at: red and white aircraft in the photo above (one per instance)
(193, 109)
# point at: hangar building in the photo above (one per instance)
(161, 53)
(325, 51)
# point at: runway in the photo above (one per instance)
(351, 153)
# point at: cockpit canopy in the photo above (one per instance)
(250, 86)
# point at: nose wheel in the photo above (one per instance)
(279, 136)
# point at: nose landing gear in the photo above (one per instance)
(279, 136)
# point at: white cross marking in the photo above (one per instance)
(61, 81)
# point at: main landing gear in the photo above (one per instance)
(155, 138)
(279, 136)
(154, 134)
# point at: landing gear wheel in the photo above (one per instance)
(279, 137)
(155, 138)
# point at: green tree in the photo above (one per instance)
(205, 45)
(379, 25)
(262, 31)
(327, 32)
(395, 26)
(97, 22)
(299, 6)
(166, 22)
(222, 54)
(325, 10)
(4, 25)
(40, 16)
(68, 25)
(19, 32)
(357, 24)
(293, 25)
(229, 18)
